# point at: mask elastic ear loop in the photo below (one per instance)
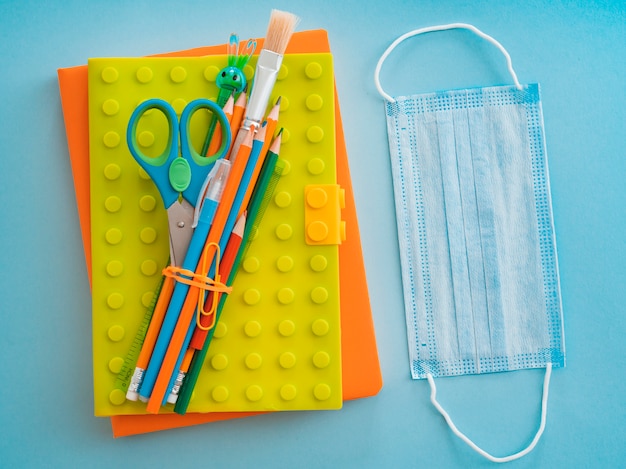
(445, 27)
(471, 444)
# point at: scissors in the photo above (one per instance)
(179, 170)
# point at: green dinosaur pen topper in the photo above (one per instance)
(231, 78)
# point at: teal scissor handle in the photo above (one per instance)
(173, 175)
(157, 168)
(201, 165)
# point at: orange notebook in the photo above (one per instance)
(360, 367)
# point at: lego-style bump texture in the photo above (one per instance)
(277, 345)
(322, 214)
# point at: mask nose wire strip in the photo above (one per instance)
(471, 444)
(444, 27)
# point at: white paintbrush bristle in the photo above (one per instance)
(281, 27)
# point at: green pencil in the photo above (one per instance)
(261, 196)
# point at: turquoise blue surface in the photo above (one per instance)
(575, 50)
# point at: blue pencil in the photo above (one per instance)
(180, 290)
(228, 228)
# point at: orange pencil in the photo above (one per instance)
(216, 141)
(191, 301)
(268, 128)
(151, 337)
(272, 122)
(238, 112)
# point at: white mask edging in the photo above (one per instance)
(444, 27)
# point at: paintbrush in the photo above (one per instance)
(281, 26)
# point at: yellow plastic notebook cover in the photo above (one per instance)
(277, 345)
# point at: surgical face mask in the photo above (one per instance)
(475, 230)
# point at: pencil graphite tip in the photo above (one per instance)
(230, 103)
(275, 148)
(281, 26)
(273, 115)
(241, 99)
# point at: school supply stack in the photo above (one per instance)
(218, 222)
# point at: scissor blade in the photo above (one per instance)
(180, 219)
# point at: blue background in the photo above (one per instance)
(574, 49)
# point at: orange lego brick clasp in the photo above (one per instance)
(322, 214)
